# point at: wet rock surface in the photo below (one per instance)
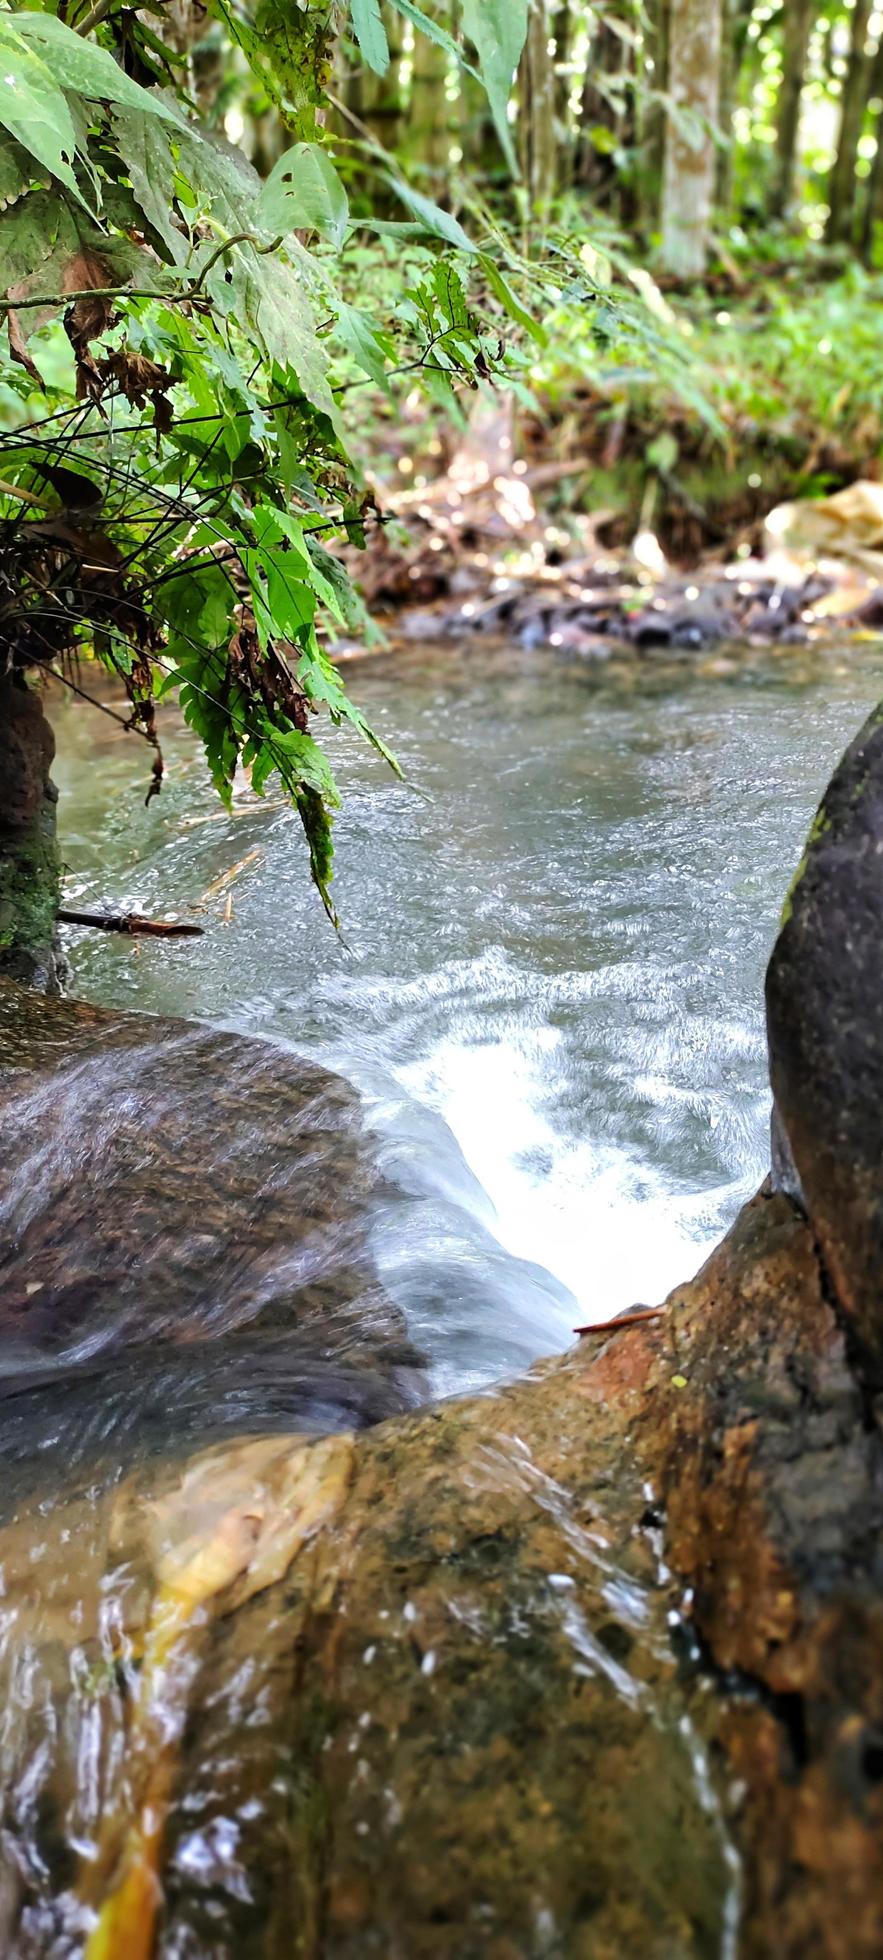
(825, 1025)
(185, 1235)
(588, 1666)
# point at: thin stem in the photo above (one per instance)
(238, 238)
(95, 16)
(93, 292)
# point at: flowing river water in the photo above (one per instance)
(547, 1000)
(549, 989)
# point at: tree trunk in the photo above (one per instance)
(688, 182)
(561, 25)
(873, 208)
(478, 135)
(723, 162)
(797, 25)
(538, 146)
(600, 115)
(842, 181)
(30, 871)
(651, 163)
(427, 139)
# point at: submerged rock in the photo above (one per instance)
(184, 1237)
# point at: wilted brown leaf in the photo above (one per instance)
(18, 349)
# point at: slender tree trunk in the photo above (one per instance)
(723, 162)
(538, 145)
(688, 181)
(30, 871)
(842, 182)
(428, 133)
(873, 209)
(598, 113)
(652, 146)
(478, 136)
(797, 25)
(561, 26)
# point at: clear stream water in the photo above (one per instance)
(549, 990)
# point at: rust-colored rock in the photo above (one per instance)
(480, 1716)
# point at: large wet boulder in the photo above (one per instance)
(185, 1237)
(824, 996)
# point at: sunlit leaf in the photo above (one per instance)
(304, 193)
(371, 34)
(497, 30)
(440, 223)
(33, 108)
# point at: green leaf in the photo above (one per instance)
(335, 588)
(44, 241)
(371, 34)
(497, 30)
(321, 681)
(431, 28)
(146, 147)
(365, 342)
(304, 193)
(440, 223)
(33, 108)
(261, 291)
(80, 65)
(503, 292)
(17, 174)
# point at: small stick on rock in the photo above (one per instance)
(631, 1319)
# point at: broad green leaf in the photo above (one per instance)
(304, 193)
(365, 342)
(144, 143)
(285, 321)
(431, 215)
(283, 604)
(33, 108)
(260, 290)
(17, 172)
(371, 34)
(84, 68)
(497, 30)
(300, 760)
(45, 240)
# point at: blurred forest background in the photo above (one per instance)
(547, 302)
(721, 158)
